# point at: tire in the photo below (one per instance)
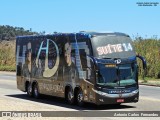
(70, 96)
(29, 90)
(35, 91)
(79, 98)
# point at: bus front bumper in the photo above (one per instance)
(105, 98)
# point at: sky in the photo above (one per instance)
(83, 15)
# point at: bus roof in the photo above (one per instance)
(82, 33)
(93, 33)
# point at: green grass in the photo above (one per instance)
(149, 81)
(7, 56)
(148, 78)
(7, 68)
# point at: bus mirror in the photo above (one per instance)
(143, 61)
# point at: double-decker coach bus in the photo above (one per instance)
(93, 67)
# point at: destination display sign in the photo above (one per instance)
(108, 49)
(112, 47)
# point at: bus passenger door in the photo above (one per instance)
(88, 76)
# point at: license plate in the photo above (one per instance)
(120, 100)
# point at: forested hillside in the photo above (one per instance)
(9, 33)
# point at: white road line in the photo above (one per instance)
(148, 98)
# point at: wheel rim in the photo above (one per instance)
(70, 96)
(29, 90)
(80, 97)
(35, 91)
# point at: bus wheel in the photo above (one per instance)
(35, 91)
(70, 96)
(29, 90)
(79, 98)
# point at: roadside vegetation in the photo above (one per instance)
(7, 45)
(7, 55)
(150, 49)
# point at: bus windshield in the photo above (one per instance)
(121, 75)
(112, 47)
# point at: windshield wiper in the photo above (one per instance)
(105, 85)
(107, 58)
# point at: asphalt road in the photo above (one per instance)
(13, 99)
(150, 92)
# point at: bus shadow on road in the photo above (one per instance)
(50, 100)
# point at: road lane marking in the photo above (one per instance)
(147, 86)
(148, 98)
